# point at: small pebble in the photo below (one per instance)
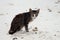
(57, 2)
(55, 35)
(35, 32)
(35, 27)
(14, 38)
(50, 10)
(58, 11)
(22, 37)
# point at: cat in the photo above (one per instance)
(22, 20)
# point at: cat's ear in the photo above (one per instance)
(38, 10)
(30, 10)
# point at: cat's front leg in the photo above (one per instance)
(26, 27)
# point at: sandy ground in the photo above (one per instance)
(47, 22)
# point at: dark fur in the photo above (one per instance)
(21, 20)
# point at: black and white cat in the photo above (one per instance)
(22, 20)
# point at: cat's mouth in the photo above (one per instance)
(33, 18)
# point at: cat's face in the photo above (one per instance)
(34, 13)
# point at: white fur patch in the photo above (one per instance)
(34, 17)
